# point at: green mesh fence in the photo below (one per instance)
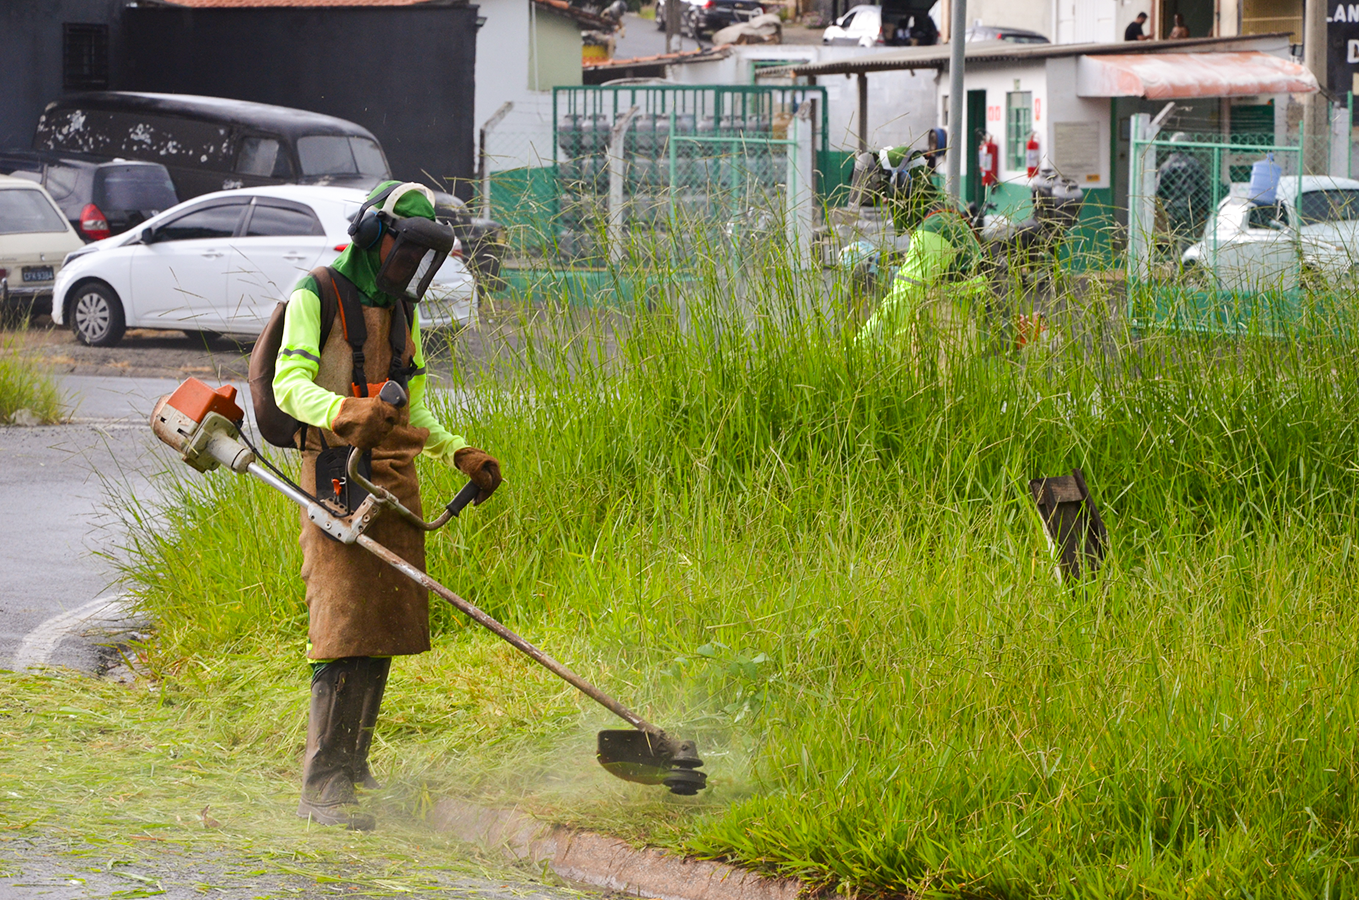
(695, 159)
(1226, 236)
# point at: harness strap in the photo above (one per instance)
(352, 324)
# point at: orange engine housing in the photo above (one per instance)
(195, 400)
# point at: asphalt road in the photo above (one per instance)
(59, 542)
(59, 546)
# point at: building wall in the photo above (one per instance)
(1033, 15)
(554, 51)
(405, 73)
(1267, 16)
(1085, 21)
(506, 74)
(31, 60)
(901, 105)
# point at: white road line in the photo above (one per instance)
(41, 643)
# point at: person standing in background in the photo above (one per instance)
(1134, 30)
(1180, 31)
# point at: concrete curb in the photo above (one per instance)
(605, 862)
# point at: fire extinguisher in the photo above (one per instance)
(1031, 154)
(988, 161)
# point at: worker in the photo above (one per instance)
(1134, 30)
(361, 612)
(943, 250)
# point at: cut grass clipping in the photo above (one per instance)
(818, 559)
(24, 385)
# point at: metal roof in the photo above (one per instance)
(937, 57)
(1176, 76)
(701, 54)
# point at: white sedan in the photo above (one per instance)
(1313, 227)
(219, 263)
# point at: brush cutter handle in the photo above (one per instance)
(388, 500)
(465, 496)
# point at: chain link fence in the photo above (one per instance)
(1215, 232)
(636, 167)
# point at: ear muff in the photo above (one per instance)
(369, 225)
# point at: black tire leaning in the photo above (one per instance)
(97, 317)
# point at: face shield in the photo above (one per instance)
(420, 249)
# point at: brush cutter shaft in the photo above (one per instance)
(323, 518)
(510, 637)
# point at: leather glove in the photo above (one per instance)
(364, 422)
(482, 468)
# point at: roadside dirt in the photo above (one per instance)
(502, 334)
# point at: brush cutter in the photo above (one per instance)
(204, 426)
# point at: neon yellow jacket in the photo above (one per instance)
(929, 260)
(299, 358)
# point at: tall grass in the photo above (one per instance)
(25, 385)
(818, 557)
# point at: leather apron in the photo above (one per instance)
(357, 604)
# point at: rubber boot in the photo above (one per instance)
(328, 766)
(371, 685)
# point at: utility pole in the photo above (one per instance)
(957, 28)
(672, 22)
(1317, 118)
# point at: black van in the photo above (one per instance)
(214, 144)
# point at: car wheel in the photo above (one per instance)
(97, 315)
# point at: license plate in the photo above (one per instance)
(37, 273)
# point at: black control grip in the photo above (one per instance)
(392, 393)
(465, 496)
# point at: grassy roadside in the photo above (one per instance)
(24, 385)
(817, 559)
(197, 781)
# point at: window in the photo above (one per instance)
(260, 156)
(1018, 126)
(84, 57)
(257, 156)
(1272, 216)
(60, 181)
(340, 155)
(140, 187)
(213, 222)
(1335, 205)
(279, 221)
(28, 212)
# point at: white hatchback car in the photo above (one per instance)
(1314, 228)
(34, 238)
(860, 27)
(219, 263)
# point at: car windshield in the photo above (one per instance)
(141, 188)
(28, 212)
(1336, 205)
(327, 154)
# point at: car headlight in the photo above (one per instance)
(76, 254)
